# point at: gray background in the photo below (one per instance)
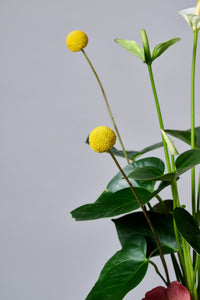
(49, 103)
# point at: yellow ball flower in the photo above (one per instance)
(102, 139)
(76, 40)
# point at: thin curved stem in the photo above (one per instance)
(157, 271)
(107, 105)
(146, 216)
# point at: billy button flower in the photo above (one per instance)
(76, 40)
(102, 139)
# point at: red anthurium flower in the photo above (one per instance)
(175, 291)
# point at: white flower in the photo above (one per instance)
(190, 16)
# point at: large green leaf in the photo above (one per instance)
(188, 228)
(184, 162)
(132, 47)
(185, 135)
(118, 198)
(162, 47)
(123, 272)
(113, 204)
(136, 223)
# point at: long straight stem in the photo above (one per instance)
(159, 115)
(146, 216)
(107, 105)
(193, 116)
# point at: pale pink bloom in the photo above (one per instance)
(175, 291)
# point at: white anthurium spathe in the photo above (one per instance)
(192, 18)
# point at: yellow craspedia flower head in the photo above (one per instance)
(76, 40)
(102, 139)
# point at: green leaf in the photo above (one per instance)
(118, 198)
(150, 173)
(162, 47)
(184, 162)
(165, 207)
(113, 204)
(187, 160)
(123, 272)
(188, 228)
(185, 135)
(132, 47)
(149, 162)
(136, 223)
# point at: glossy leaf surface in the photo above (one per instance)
(188, 228)
(136, 223)
(118, 198)
(122, 272)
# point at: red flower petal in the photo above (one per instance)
(158, 293)
(176, 291)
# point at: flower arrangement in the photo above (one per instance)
(166, 228)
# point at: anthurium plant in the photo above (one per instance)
(146, 230)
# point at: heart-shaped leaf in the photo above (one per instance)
(132, 47)
(136, 223)
(118, 198)
(113, 204)
(188, 228)
(123, 272)
(162, 47)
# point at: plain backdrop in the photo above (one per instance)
(49, 103)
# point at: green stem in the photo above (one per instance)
(157, 271)
(146, 216)
(195, 271)
(177, 269)
(193, 116)
(159, 115)
(107, 105)
(198, 201)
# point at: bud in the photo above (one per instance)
(197, 11)
(145, 42)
